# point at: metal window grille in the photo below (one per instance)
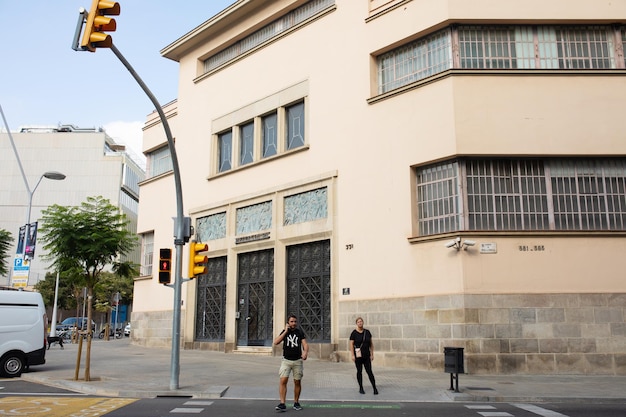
(438, 199)
(527, 194)
(503, 47)
(506, 195)
(415, 61)
(267, 33)
(211, 302)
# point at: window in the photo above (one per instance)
(295, 125)
(147, 253)
(270, 144)
(266, 135)
(503, 47)
(246, 143)
(525, 194)
(159, 162)
(225, 151)
(273, 30)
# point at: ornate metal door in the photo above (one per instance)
(255, 295)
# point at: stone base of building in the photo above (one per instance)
(500, 333)
(567, 334)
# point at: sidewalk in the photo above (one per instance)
(120, 369)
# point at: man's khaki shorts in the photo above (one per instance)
(287, 366)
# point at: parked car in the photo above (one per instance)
(127, 330)
(71, 322)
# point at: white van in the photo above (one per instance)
(23, 331)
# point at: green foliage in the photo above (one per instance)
(71, 284)
(90, 237)
(108, 285)
(5, 246)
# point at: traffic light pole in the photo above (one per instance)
(179, 227)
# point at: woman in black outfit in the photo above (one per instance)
(362, 350)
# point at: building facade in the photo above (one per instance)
(454, 173)
(93, 165)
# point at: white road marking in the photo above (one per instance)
(538, 410)
(495, 414)
(187, 410)
(480, 407)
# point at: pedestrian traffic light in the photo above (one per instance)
(98, 23)
(165, 266)
(197, 262)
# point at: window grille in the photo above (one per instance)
(502, 47)
(415, 61)
(267, 33)
(525, 194)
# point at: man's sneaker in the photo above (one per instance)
(281, 407)
(297, 406)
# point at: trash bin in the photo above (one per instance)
(453, 364)
(453, 360)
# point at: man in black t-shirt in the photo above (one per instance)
(295, 351)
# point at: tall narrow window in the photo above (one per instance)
(295, 125)
(225, 149)
(246, 143)
(270, 135)
(147, 253)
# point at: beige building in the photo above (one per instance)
(454, 172)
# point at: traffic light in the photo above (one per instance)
(197, 262)
(165, 266)
(98, 23)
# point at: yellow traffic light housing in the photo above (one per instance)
(98, 23)
(165, 266)
(197, 262)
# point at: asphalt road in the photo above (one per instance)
(22, 398)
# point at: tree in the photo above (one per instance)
(90, 237)
(5, 245)
(108, 286)
(71, 284)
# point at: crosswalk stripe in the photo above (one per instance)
(539, 410)
(187, 410)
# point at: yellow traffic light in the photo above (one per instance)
(97, 23)
(165, 266)
(197, 262)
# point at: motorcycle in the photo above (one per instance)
(118, 333)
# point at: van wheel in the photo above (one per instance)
(12, 364)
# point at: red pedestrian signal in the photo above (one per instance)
(165, 266)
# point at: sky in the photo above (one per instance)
(44, 82)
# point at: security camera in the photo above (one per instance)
(469, 242)
(451, 244)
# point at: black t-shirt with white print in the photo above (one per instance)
(292, 344)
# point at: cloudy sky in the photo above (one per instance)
(44, 82)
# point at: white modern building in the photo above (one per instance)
(93, 165)
(454, 172)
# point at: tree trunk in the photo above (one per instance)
(89, 334)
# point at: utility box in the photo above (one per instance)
(453, 365)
